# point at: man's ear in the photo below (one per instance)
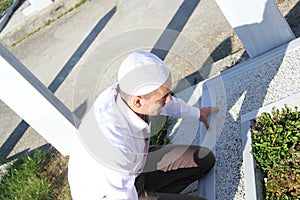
(137, 101)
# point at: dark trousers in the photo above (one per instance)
(170, 169)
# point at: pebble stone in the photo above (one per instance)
(265, 84)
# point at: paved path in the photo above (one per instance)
(78, 55)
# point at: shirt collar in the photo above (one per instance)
(134, 121)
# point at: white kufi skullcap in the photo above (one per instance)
(141, 73)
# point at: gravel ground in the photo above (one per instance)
(265, 84)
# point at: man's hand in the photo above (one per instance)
(205, 112)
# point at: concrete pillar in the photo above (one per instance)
(33, 102)
(258, 23)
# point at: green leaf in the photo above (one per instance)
(276, 146)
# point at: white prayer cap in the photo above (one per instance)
(141, 73)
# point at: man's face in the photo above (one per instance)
(156, 100)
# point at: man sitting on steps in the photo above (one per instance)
(111, 157)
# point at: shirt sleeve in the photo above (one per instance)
(180, 109)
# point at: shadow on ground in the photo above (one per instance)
(293, 19)
(21, 128)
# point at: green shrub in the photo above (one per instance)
(276, 148)
(160, 136)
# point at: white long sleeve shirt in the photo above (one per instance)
(110, 149)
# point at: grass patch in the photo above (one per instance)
(50, 21)
(23, 179)
(41, 176)
(4, 4)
